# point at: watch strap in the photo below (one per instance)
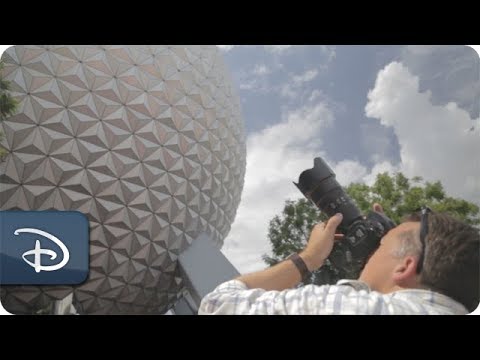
(301, 266)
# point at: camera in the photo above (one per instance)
(362, 234)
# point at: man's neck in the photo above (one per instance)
(397, 287)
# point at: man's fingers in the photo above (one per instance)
(377, 208)
(333, 222)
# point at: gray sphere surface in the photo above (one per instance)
(147, 141)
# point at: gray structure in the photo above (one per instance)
(203, 267)
(147, 141)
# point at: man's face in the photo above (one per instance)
(378, 272)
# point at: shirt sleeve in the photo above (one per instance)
(234, 298)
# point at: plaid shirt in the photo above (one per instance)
(349, 297)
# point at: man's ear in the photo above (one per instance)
(406, 271)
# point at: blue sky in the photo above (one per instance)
(365, 109)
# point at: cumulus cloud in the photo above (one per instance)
(379, 168)
(436, 142)
(294, 88)
(277, 49)
(315, 95)
(330, 51)
(275, 158)
(307, 76)
(424, 49)
(261, 69)
(258, 79)
(248, 85)
(348, 171)
(450, 70)
(288, 91)
(225, 47)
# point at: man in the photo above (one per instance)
(426, 265)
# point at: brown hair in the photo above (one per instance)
(451, 261)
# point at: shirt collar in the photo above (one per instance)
(356, 284)
(435, 298)
(424, 294)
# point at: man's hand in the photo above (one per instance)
(285, 274)
(321, 240)
(320, 243)
(378, 208)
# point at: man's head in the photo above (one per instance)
(450, 261)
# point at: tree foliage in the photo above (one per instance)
(289, 232)
(8, 105)
(399, 196)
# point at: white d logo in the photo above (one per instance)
(38, 251)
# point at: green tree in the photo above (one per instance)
(8, 105)
(289, 231)
(399, 196)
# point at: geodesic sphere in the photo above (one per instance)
(147, 141)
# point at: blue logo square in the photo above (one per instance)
(43, 247)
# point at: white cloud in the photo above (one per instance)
(425, 49)
(307, 76)
(381, 167)
(226, 47)
(293, 88)
(275, 158)
(288, 91)
(315, 95)
(330, 51)
(261, 69)
(351, 171)
(248, 85)
(256, 79)
(435, 141)
(451, 71)
(277, 49)
(348, 171)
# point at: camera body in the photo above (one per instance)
(361, 239)
(362, 234)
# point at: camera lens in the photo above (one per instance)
(320, 186)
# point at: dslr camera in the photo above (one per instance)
(362, 234)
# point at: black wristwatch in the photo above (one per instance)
(301, 266)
